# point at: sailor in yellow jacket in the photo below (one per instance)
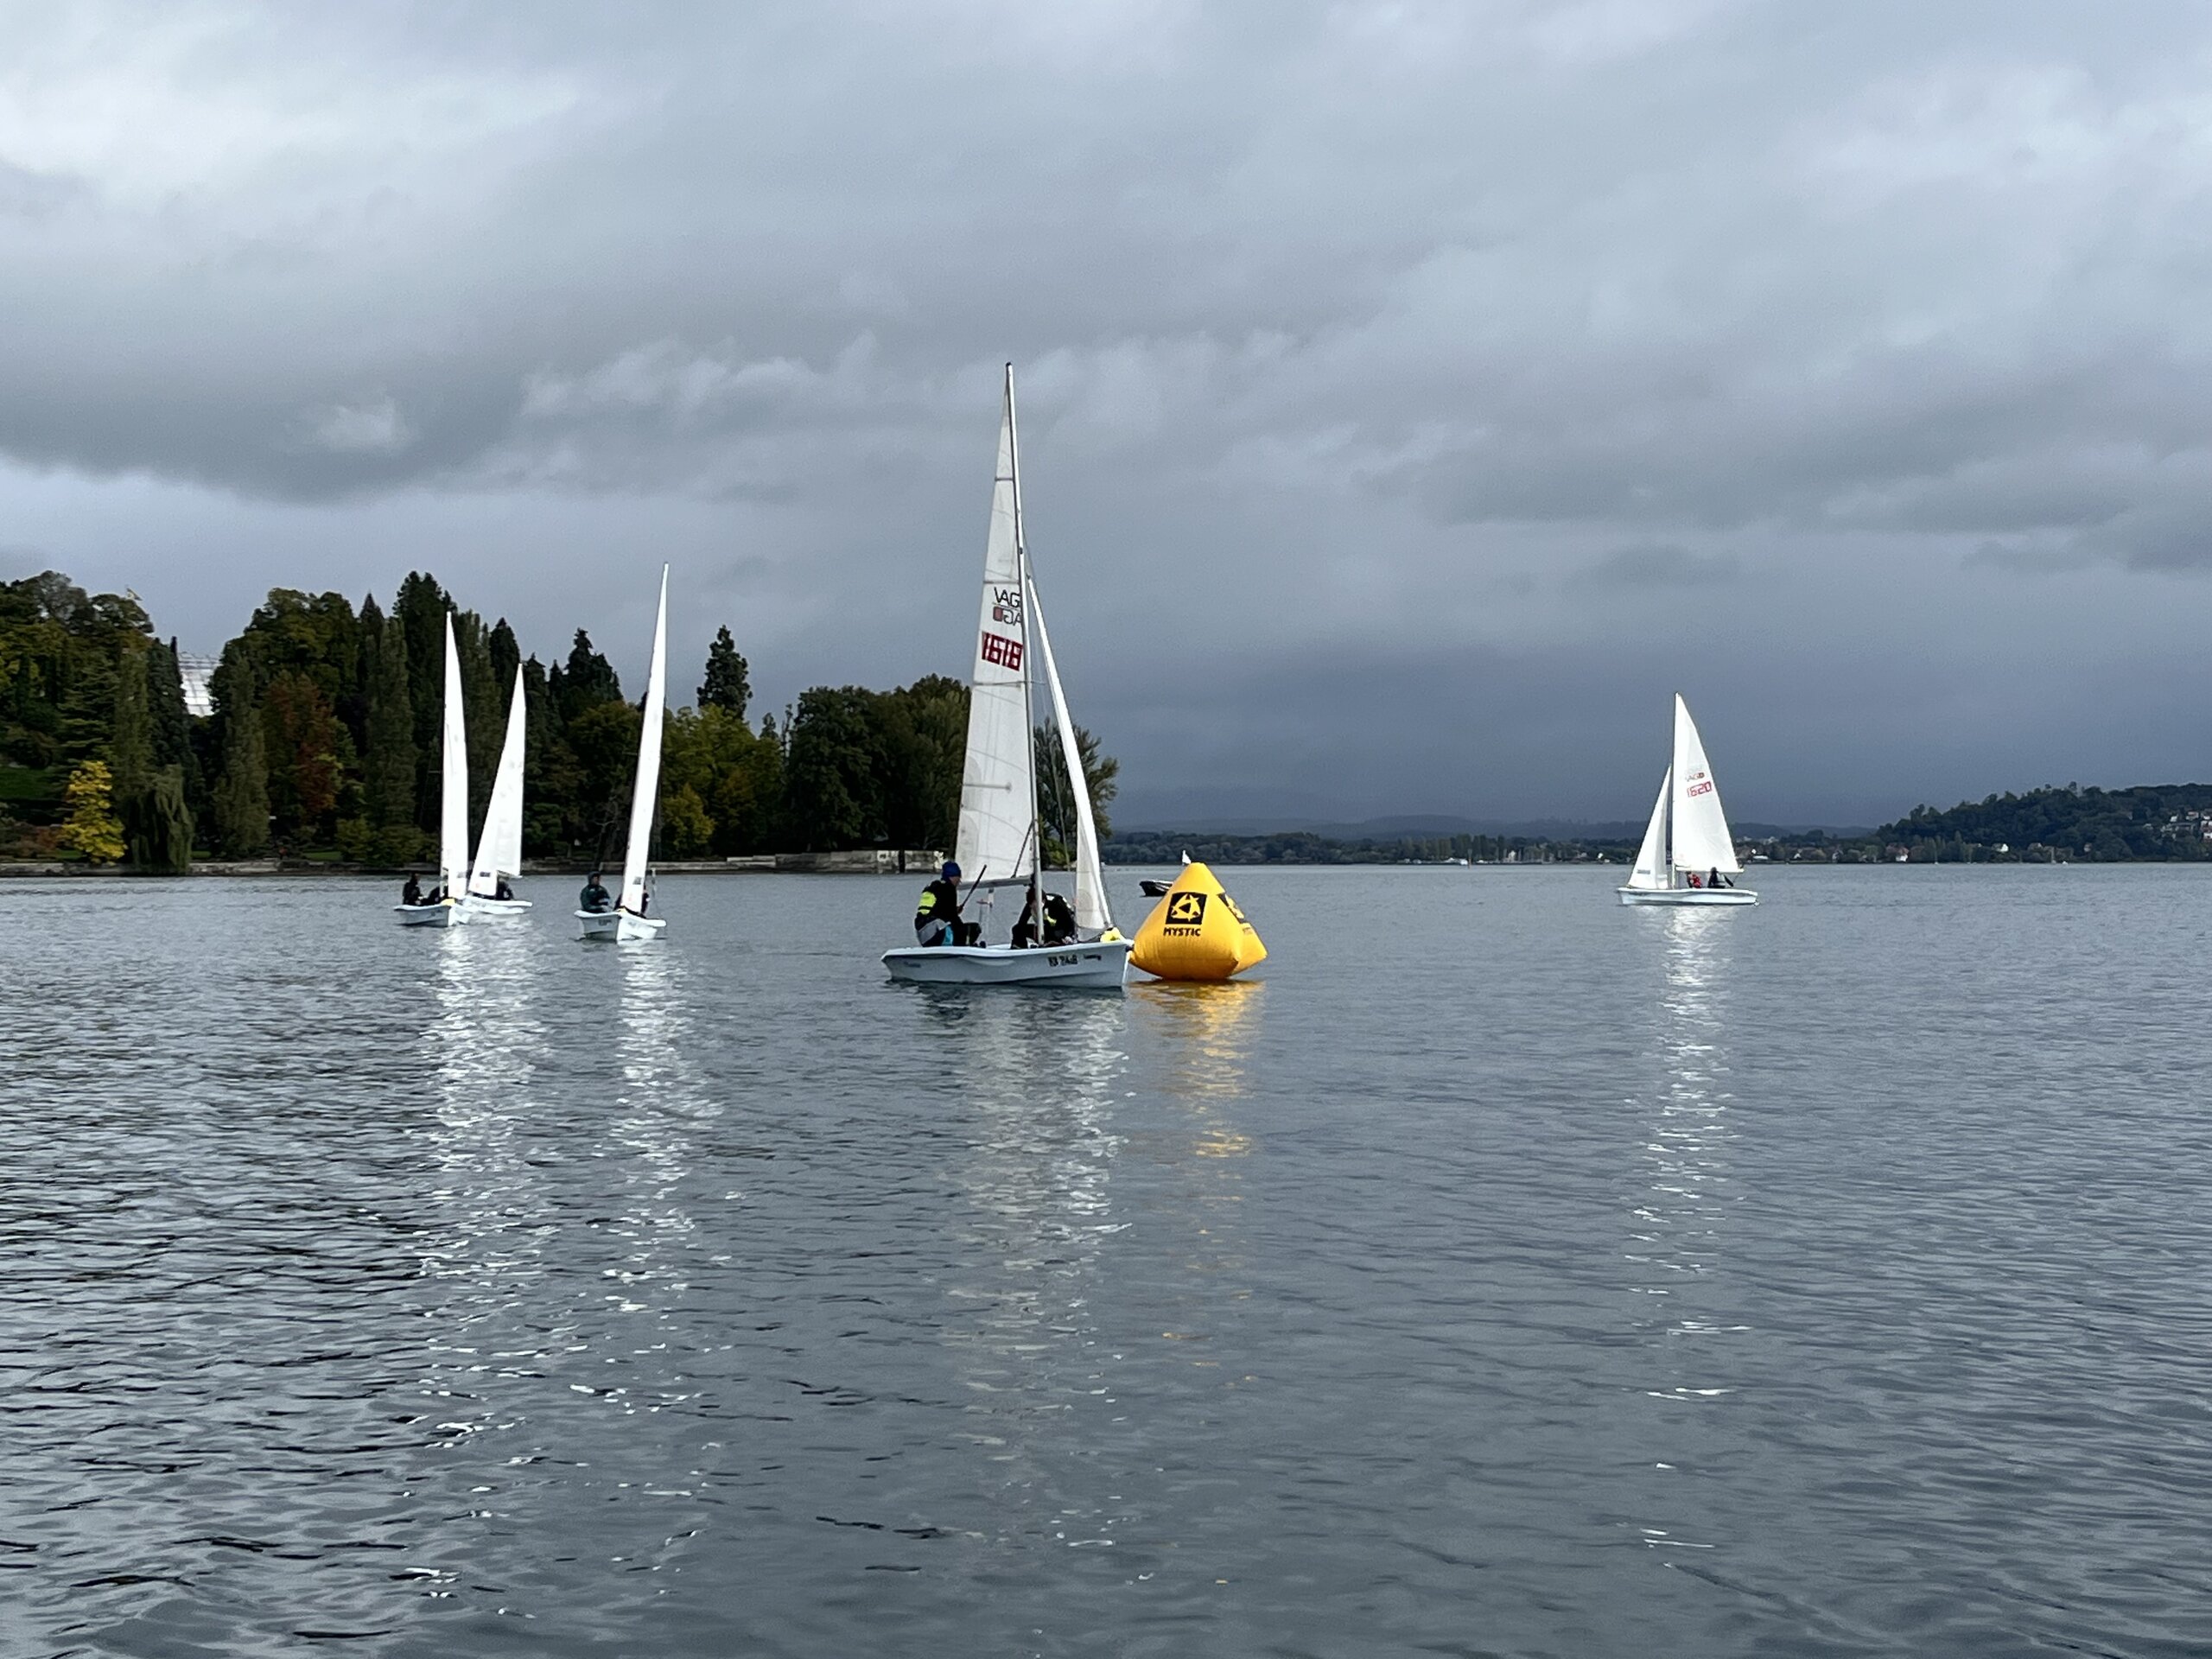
(937, 918)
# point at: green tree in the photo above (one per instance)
(242, 791)
(551, 778)
(131, 738)
(91, 827)
(737, 776)
(1055, 802)
(832, 770)
(157, 825)
(728, 685)
(590, 679)
(388, 761)
(307, 752)
(166, 712)
(604, 738)
(924, 736)
(686, 830)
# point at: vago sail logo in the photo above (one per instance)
(1006, 612)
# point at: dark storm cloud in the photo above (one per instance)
(1393, 338)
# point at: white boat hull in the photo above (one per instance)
(1688, 896)
(483, 909)
(618, 926)
(444, 913)
(1099, 965)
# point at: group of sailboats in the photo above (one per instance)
(1687, 856)
(470, 890)
(476, 889)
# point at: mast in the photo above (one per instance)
(1673, 784)
(1028, 669)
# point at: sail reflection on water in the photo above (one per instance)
(660, 1103)
(1037, 1078)
(1683, 1201)
(482, 1249)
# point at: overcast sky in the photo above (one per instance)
(1413, 396)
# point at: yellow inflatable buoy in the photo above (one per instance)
(1196, 931)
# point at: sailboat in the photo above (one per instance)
(498, 843)
(446, 911)
(627, 921)
(1001, 827)
(1687, 837)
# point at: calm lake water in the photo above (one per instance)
(1506, 1273)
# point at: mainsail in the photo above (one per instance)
(453, 762)
(499, 845)
(1091, 916)
(1701, 841)
(1652, 870)
(997, 843)
(645, 790)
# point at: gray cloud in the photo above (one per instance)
(1393, 339)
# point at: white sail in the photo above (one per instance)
(1701, 841)
(498, 844)
(453, 762)
(998, 795)
(1652, 870)
(645, 790)
(1092, 918)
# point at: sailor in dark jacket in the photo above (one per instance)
(594, 896)
(936, 918)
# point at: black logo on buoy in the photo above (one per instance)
(1185, 910)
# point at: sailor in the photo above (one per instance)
(1059, 923)
(412, 892)
(936, 918)
(503, 891)
(594, 896)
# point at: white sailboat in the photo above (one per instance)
(1000, 824)
(445, 910)
(498, 843)
(1687, 837)
(627, 920)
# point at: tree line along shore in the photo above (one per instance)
(320, 742)
(320, 746)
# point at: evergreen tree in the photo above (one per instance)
(242, 791)
(589, 679)
(172, 725)
(130, 740)
(550, 776)
(506, 656)
(388, 762)
(727, 685)
(420, 613)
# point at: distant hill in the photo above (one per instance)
(1419, 826)
(2152, 820)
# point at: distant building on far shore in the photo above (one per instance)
(196, 672)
